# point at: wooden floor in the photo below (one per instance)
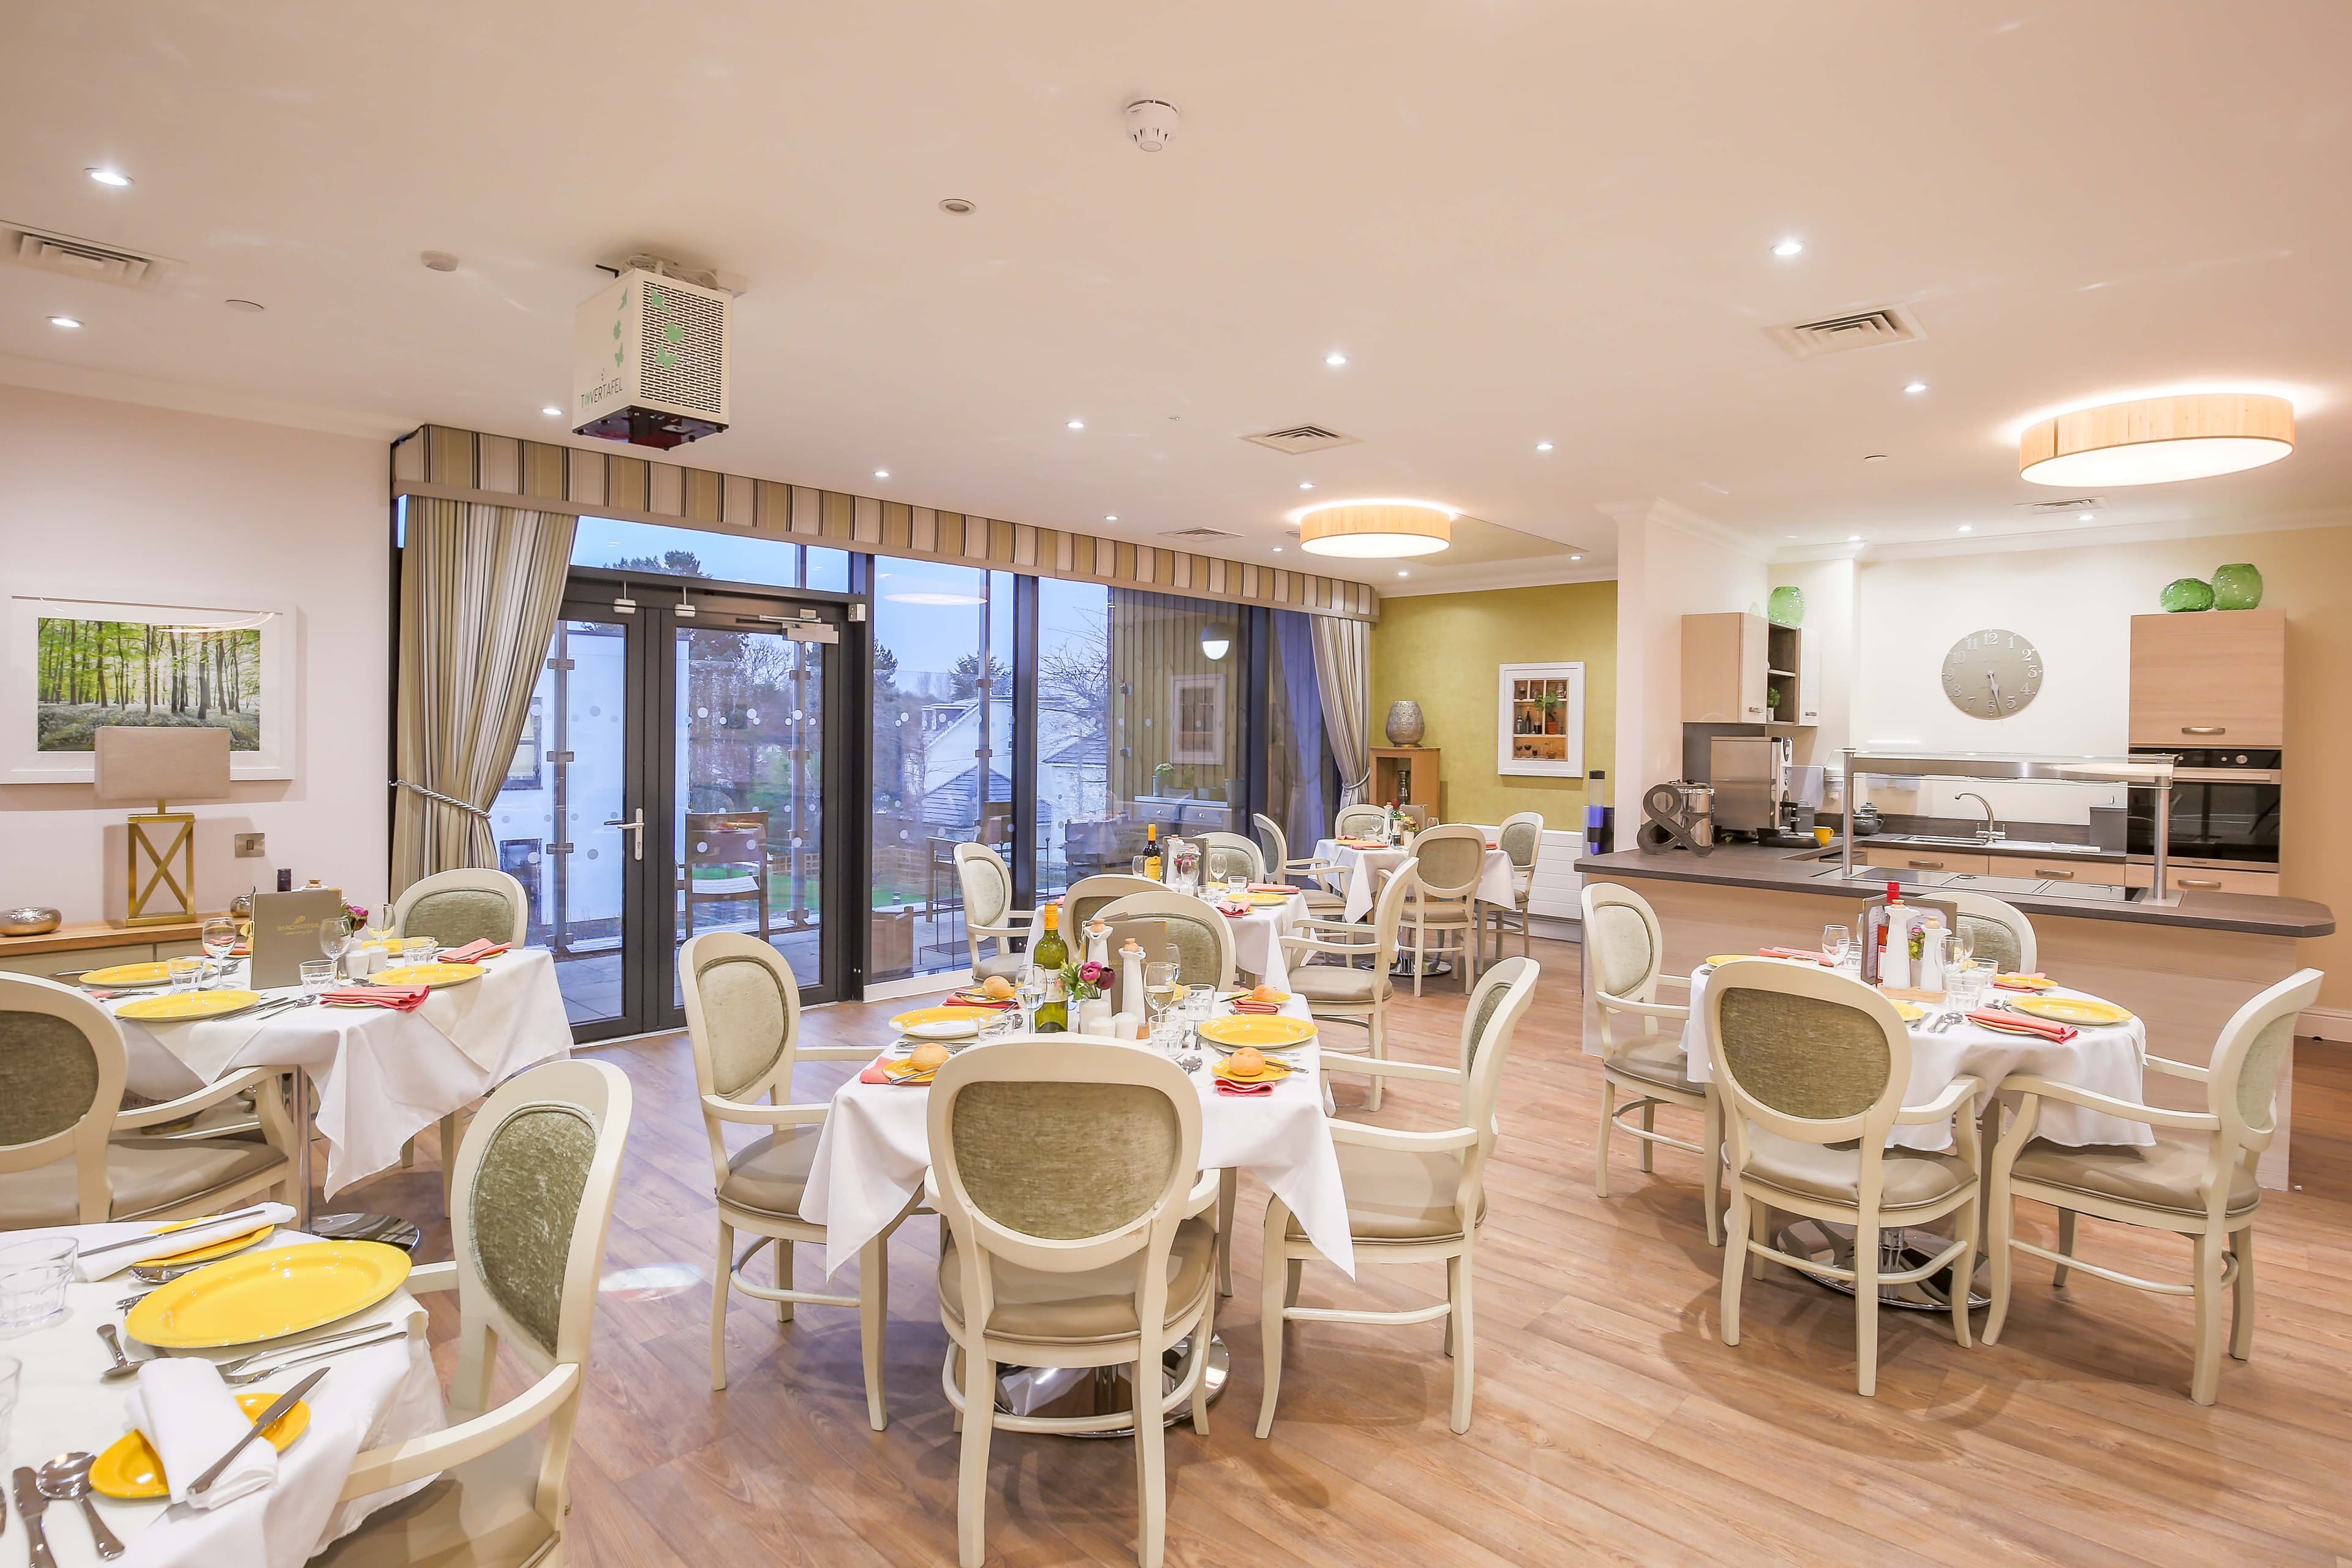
(1612, 1423)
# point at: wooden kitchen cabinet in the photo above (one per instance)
(2212, 677)
(1923, 858)
(1725, 666)
(2205, 879)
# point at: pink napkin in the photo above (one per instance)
(2018, 1023)
(1243, 1005)
(400, 998)
(1790, 952)
(1232, 911)
(1272, 887)
(475, 952)
(973, 999)
(1243, 1090)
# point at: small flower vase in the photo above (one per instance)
(2236, 587)
(1786, 607)
(1094, 1015)
(2183, 594)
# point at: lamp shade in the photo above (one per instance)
(1375, 529)
(162, 762)
(2157, 440)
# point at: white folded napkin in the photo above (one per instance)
(191, 1418)
(111, 1258)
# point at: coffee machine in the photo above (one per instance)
(1750, 777)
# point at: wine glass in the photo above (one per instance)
(1836, 942)
(1029, 987)
(334, 937)
(219, 936)
(1959, 946)
(1162, 987)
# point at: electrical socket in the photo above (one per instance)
(251, 845)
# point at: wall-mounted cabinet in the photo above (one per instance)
(1739, 668)
(2211, 678)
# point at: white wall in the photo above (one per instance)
(114, 500)
(1669, 564)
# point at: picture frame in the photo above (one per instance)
(75, 663)
(1196, 719)
(1540, 722)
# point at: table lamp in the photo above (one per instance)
(161, 764)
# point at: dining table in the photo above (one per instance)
(875, 1150)
(380, 1075)
(1258, 938)
(1364, 861)
(375, 1395)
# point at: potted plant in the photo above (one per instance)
(1771, 700)
(1550, 703)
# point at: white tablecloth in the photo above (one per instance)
(2104, 1060)
(876, 1149)
(385, 1393)
(382, 1076)
(1257, 939)
(1495, 885)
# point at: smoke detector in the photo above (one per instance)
(1151, 121)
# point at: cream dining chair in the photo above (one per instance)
(455, 907)
(1202, 937)
(536, 1180)
(1520, 838)
(1345, 990)
(1625, 956)
(63, 1158)
(1811, 1067)
(1068, 1173)
(2200, 1186)
(743, 1017)
(1412, 1197)
(1444, 899)
(1997, 931)
(1224, 856)
(987, 912)
(1085, 899)
(1360, 821)
(1313, 878)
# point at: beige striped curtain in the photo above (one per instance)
(479, 590)
(1343, 671)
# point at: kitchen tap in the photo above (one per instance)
(1991, 832)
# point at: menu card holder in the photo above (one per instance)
(285, 933)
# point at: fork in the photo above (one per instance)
(238, 1364)
(240, 1379)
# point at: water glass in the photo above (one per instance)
(12, 1371)
(318, 975)
(1837, 943)
(420, 950)
(33, 1280)
(1965, 984)
(184, 972)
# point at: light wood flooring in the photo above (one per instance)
(1611, 1424)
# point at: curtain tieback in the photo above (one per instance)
(443, 799)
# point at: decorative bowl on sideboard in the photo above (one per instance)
(29, 920)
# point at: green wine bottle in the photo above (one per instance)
(1052, 956)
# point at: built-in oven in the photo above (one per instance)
(2225, 808)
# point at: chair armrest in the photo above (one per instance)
(1383, 1067)
(1962, 1091)
(1389, 1138)
(835, 1053)
(426, 1278)
(1681, 980)
(236, 1083)
(1343, 949)
(726, 1109)
(2178, 1070)
(2149, 1115)
(1204, 1195)
(379, 1470)
(1673, 1010)
(1000, 930)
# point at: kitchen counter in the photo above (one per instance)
(1804, 871)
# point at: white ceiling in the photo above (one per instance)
(1521, 220)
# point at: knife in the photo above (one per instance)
(279, 1406)
(29, 1504)
(150, 1235)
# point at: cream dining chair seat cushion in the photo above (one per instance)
(1090, 1305)
(2163, 1178)
(999, 965)
(480, 1515)
(1332, 982)
(1833, 1172)
(146, 1174)
(1400, 1196)
(769, 1175)
(1659, 1059)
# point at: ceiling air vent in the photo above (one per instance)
(2079, 503)
(1197, 533)
(1836, 334)
(1297, 438)
(87, 259)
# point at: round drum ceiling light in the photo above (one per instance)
(2156, 440)
(1371, 528)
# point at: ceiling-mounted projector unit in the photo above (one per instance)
(650, 361)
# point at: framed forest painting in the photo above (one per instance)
(77, 665)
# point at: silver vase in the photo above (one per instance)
(1405, 726)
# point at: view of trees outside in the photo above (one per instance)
(93, 674)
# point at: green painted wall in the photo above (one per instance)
(1443, 651)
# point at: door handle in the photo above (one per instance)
(2204, 729)
(2206, 883)
(634, 826)
(2053, 873)
(1925, 865)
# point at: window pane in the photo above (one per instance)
(1299, 776)
(943, 752)
(826, 569)
(659, 551)
(1140, 718)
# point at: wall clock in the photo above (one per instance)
(1992, 674)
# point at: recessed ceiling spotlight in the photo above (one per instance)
(1078, 425)
(1854, 539)
(1916, 388)
(250, 307)
(1968, 527)
(1306, 484)
(1576, 558)
(881, 473)
(553, 412)
(1876, 457)
(1404, 574)
(956, 205)
(1335, 359)
(1278, 550)
(1543, 446)
(438, 262)
(1789, 246)
(1110, 517)
(114, 177)
(68, 322)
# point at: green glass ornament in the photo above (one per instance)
(2185, 593)
(1786, 607)
(2236, 587)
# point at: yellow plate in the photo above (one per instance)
(180, 1006)
(129, 1468)
(2023, 982)
(264, 1295)
(1268, 1074)
(1910, 1012)
(1715, 958)
(1267, 900)
(2072, 1009)
(127, 974)
(210, 1250)
(944, 1022)
(1266, 1031)
(433, 974)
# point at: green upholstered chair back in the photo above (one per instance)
(1086, 897)
(61, 1072)
(1619, 945)
(1520, 838)
(524, 1205)
(1359, 822)
(1202, 941)
(1997, 931)
(1489, 1026)
(1993, 940)
(1064, 1161)
(987, 886)
(1450, 859)
(455, 907)
(48, 1077)
(751, 1016)
(1224, 856)
(2254, 1051)
(1805, 1058)
(1276, 842)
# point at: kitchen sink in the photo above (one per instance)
(2011, 845)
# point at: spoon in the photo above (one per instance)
(66, 1479)
(123, 1365)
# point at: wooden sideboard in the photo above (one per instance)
(88, 944)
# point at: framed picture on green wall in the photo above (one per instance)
(1540, 725)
